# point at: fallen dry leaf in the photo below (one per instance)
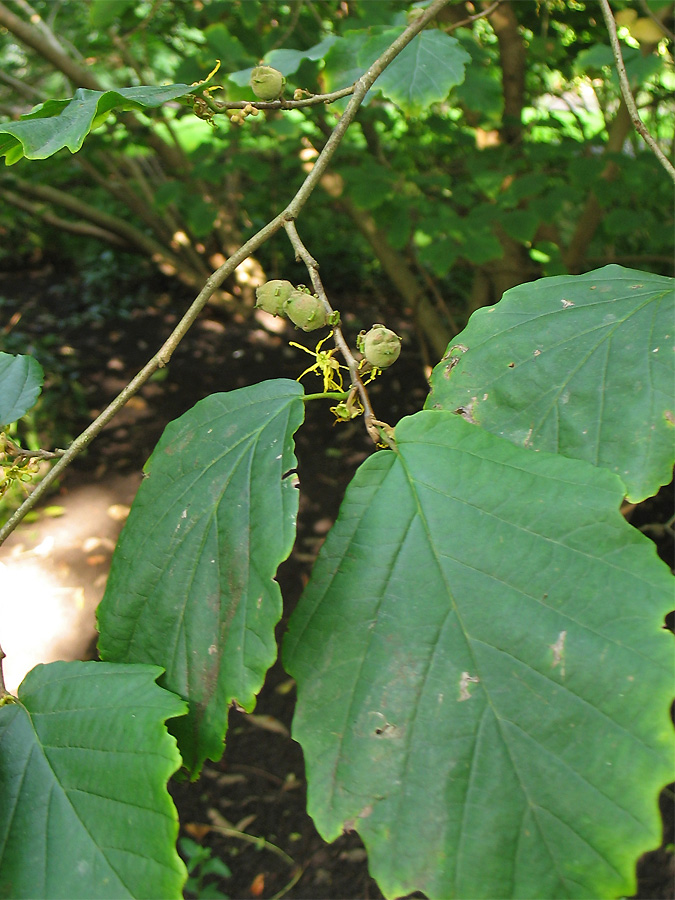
(197, 830)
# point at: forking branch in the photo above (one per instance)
(163, 355)
(376, 429)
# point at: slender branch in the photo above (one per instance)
(647, 11)
(30, 35)
(487, 11)
(361, 88)
(18, 453)
(312, 100)
(299, 872)
(134, 236)
(253, 839)
(59, 43)
(159, 360)
(301, 253)
(39, 24)
(162, 357)
(49, 218)
(281, 40)
(640, 126)
(29, 92)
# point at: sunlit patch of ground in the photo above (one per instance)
(53, 573)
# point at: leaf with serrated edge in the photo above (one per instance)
(483, 679)
(423, 73)
(191, 583)
(84, 762)
(66, 123)
(580, 365)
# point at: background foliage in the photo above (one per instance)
(528, 167)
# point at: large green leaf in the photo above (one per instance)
(483, 679)
(21, 380)
(84, 762)
(580, 365)
(191, 584)
(423, 73)
(65, 123)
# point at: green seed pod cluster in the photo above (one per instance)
(306, 311)
(272, 295)
(380, 346)
(267, 83)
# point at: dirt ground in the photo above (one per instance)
(250, 807)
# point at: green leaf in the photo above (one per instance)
(422, 74)
(369, 185)
(21, 380)
(191, 584)
(342, 61)
(483, 678)
(222, 44)
(481, 92)
(638, 67)
(65, 123)
(580, 365)
(286, 61)
(520, 224)
(594, 59)
(102, 13)
(200, 215)
(84, 762)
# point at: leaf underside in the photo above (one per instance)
(483, 682)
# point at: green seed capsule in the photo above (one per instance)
(272, 295)
(267, 83)
(380, 346)
(306, 311)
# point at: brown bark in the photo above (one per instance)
(512, 58)
(590, 219)
(135, 239)
(86, 229)
(30, 36)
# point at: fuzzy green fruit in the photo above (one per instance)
(306, 311)
(272, 295)
(267, 83)
(380, 346)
